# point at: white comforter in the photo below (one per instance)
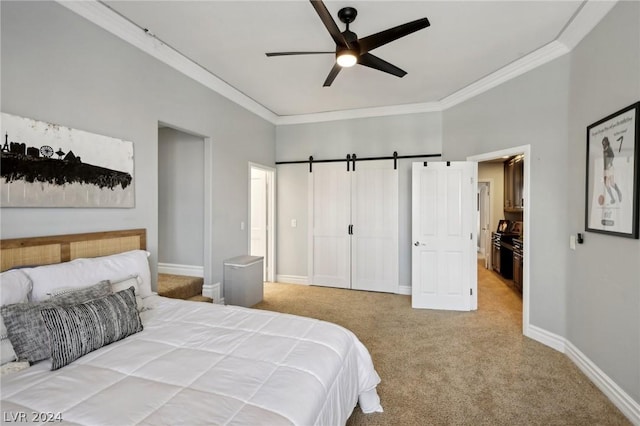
(200, 363)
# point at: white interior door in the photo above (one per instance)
(329, 222)
(374, 215)
(443, 222)
(259, 215)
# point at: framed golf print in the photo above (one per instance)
(612, 174)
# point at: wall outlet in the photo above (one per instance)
(294, 223)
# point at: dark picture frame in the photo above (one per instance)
(612, 177)
(503, 226)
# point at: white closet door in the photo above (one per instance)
(329, 219)
(375, 226)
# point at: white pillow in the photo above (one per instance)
(130, 281)
(85, 272)
(15, 287)
(7, 353)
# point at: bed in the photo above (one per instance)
(187, 363)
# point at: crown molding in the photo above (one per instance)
(112, 22)
(586, 18)
(545, 54)
(590, 14)
(350, 114)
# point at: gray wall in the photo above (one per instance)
(590, 296)
(412, 134)
(60, 68)
(180, 197)
(528, 110)
(291, 204)
(57, 67)
(603, 286)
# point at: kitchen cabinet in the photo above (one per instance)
(514, 184)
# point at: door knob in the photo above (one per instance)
(417, 243)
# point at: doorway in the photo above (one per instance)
(178, 150)
(525, 151)
(262, 217)
(484, 220)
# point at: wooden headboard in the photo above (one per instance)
(35, 251)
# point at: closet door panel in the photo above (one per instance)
(330, 213)
(375, 230)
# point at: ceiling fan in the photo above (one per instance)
(351, 50)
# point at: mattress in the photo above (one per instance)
(201, 363)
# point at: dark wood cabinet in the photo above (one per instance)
(514, 184)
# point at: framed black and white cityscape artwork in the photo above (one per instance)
(612, 174)
(48, 165)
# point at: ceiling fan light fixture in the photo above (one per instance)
(347, 58)
(351, 50)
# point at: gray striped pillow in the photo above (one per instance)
(25, 328)
(76, 330)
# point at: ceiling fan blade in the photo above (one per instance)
(296, 53)
(329, 23)
(383, 37)
(332, 75)
(371, 61)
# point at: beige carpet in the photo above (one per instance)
(181, 287)
(455, 368)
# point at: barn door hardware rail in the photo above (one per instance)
(351, 159)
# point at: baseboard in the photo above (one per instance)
(619, 397)
(404, 289)
(212, 291)
(292, 279)
(299, 279)
(175, 269)
(627, 405)
(546, 338)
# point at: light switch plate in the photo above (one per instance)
(572, 242)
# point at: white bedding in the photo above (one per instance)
(200, 363)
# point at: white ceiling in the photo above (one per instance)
(466, 42)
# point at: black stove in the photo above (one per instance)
(502, 247)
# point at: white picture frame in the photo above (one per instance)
(49, 165)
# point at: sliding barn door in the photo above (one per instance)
(374, 215)
(329, 224)
(443, 223)
(354, 226)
